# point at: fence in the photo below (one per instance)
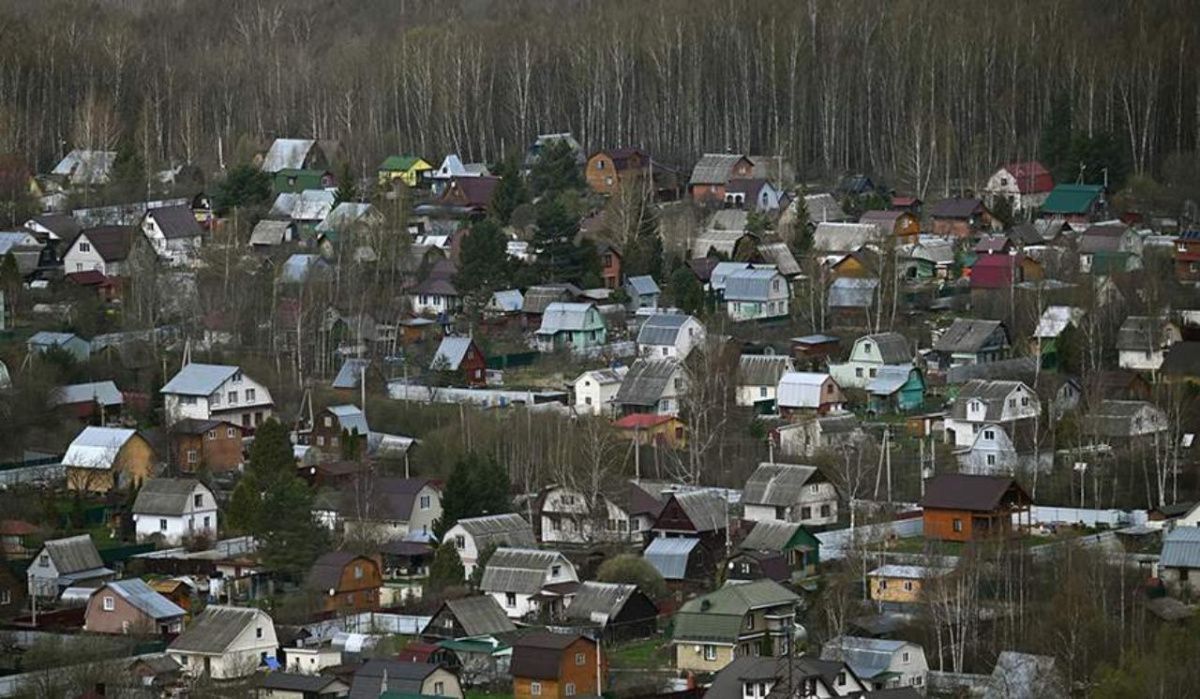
(512, 360)
(370, 623)
(483, 397)
(834, 543)
(41, 469)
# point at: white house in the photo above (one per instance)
(981, 402)
(596, 390)
(173, 232)
(63, 563)
(831, 432)
(651, 386)
(473, 535)
(757, 294)
(104, 249)
(565, 515)
(396, 508)
(758, 377)
(880, 663)
(216, 392)
(225, 643)
(807, 392)
(1006, 449)
(789, 493)
(1143, 341)
(513, 576)
(669, 335)
(435, 296)
(174, 508)
(870, 354)
(1025, 185)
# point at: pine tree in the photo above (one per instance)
(483, 264)
(1057, 141)
(686, 291)
(477, 486)
(447, 570)
(347, 189)
(510, 193)
(128, 178)
(556, 170)
(243, 186)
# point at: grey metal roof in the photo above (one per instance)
(801, 389)
(1181, 548)
(1142, 334)
(714, 168)
(892, 347)
(662, 329)
(908, 572)
(351, 373)
(215, 628)
(643, 285)
(751, 284)
(176, 222)
(297, 267)
(669, 556)
(307, 685)
(198, 379)
(593, 599)
(721, 271)
(97, 447)
(74, 554)
(519, 570)
(721, 240)
(480, 615)
(779, 254)
(503, 530)
(166, 496)
(770, 536)
(287, 154)
(990, 393)
(850, 292)
(102, 392)
(351, 418)
(824, 208)
(538, 298)
(706, 509)
(405, 678)
(646, 381)
(777, 485)
(1055, 320)
(762, 369)
(136, 592)
(844, 237)
(268, 232)
(1126, 418)
(347, 214)
(451, 352)
(967, 335)
(867, 657)
(889, 379)
(560, 316)
(1020, 367)
(508, 300)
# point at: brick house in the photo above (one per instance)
(553, 666)
(712, 173)
(214, 444)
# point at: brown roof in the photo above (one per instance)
(176, 222)
(326, 572)
(112, 243)
(16, 527)
(539, 655)
(961, 491)
(957, 207)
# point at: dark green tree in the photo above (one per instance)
(757, 222)
(10, 282)
(633, 570)
(477, 486)
(1002, 211)
(127, 180)
(686, 291)
(556, 170)
(1056, 141)
(559, 256)
(510, 193)
(1099, 159)
(243, 186)
(447, 570)
(347, 189)
(483, 264)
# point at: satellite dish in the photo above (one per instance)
(799, 635)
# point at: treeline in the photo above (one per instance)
(930, 95)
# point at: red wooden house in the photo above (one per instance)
(963, 507)
(1187, 256)
(462, 357)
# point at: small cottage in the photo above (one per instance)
(962, 507)
(756, 294)
(131, 607)
(344, 582)
(101, 459)
(790, 493)
(808, 393)
(758, 379)
(556, 666)
(462, 358)
(474, 535)
(574, 326)
(174, 509)
(515, 577)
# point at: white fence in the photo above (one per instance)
(1043, 514)
(483, 397)
(370, 623)
(834, 543)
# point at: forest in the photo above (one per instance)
(927, 95)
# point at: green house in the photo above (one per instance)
(291, 180)
(896, 389)
(1074, 200)
(575, 326)
(800, 548)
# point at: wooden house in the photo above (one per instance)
(960, 217)
(131, 607)
(214, 445)
(900, 225)
(712, 173)
(1025, 185)
(791, 540)
(778, 492)
(735, 621)
(645, 429)
(556, 666)
(961, 507)
(902, 584)
(344, 582)
(1075, 203)
(608, 169)
(467, 617)
(620, 611)
(101, 459)
(610, 264)
(408, 169)
(698, 514)
(461, 358)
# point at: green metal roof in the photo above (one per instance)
(718, 615)
(472, 646)
(1071, 198)
(400, 163)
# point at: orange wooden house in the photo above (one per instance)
(901, 224)
(645, 429)
(964, 507)
(345, 582)
(555, 666)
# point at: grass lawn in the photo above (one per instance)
(648, 653)
(478, 694)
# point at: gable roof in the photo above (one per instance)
(967, 335)
(74, 554)
(643, 285)
(141, 596)
(326, 572)
(287, 154)
(714, 168)
(662, 329)
(1181, 548)
(506, 530)
(102, 392)
(404, 677)
(350, 418)
(564, 317)
(451, 351)
(889, 379)
(823, 208)
(392, 500)
(521, 570)
(87, 167)
(1071, 198)
(198, 379)
(1055, 320)
(214, 629)
(480, 615)
(1030, 176)
(1143, 334)
(176, 222)
(852, 292)
(989, 392)
(891, 346)
(762, 369)
(801, 389)
(601, 600)
(973, 493)
(777, 485)
(539, 655)
(401, 163)
(751, 284)
(705, 509)
(867, 657)
(669, 556)
(268, 232)
(1123, 418)
(97, 447)
(350, 373)
(165, 496)
(1023, 368)
(111, 243)
(844, 237)
(718, 616)
(957, 207)
(646, 381)
(779, 254)
(769, 535)
(1103, 237)
(509, 300)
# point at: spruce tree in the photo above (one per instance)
(447, 570)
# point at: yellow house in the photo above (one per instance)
(406, 168)
(903, 584)
(103, 458)
(735, 621)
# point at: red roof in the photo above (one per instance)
(642, 420)
(16, 527)
(994, 271)
(91, 277)
(904, 202)
(1031, 177)
(417, 652)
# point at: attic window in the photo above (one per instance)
(989, 434)
(866, 348)
(258, 632)
(555, 571)
(84, 247)
(110, 603)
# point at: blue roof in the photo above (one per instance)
(297, 267)
(199, 379)
(351, 418)
(351, 373)
(452, 350)
(1181, 548)
(508, 300)
(669, 556)
(137, 593)
(643, 285)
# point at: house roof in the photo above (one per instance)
(892, 347)
(885, 219)
(989, 392)
(669, 556)
(1071, 198)
(635, 421)
(662, 329)
(393, 498)
(539, 298)
(973, 493)
(1055, 320)
(599, 600)
(404, 677)
(852, 292)
(61, 226)
(345, 214)
(475, 190)
(777, 485)
(521, 570)
(643, 285)
(102, 392)
(350, 374)
(646, 381)
(326, 572)
(722, 240)
(823, 208)
(268, 232)
(1103, 237)
(1123, 418)
(889, 379)
(957, 207)
(508, 300)
(1182, 359)
(287, 154)
(705, 509)
(1142, 334)
(769, 535)
(112, 243)
(913, 572)
(307, 685)
(967, 335)
(1021, 368)
(198, 379)
(480, 615)
(867, 657)
(74, 554)
(97, 447)
(721, 271)
(719, 615)
(504, 530)
(565, 317)
(214, 629)
(779, 254)
(136, 592)
(165, 496)
(87, 167)
(801, 389)
(762, 369)
(844, 237)
(400, 163)
(750, 284)
(714, 168)
(1030, 176)
(1181, 548)
(307, 205)
(176, 222)
(730, 681)
(297, 268)
(539, 655)
(451, 352)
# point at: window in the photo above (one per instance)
(192, 456)
(749, 622)
(460, 542)
(230, 433)
(1012, 402)
(425, 501)
(825, 510)
(858, 372)
(762, 391)
(188, 400)
(580, 658)
(162, 525)
(805, 513)
(866, 348)
(198, 500)
(710, 652)
(555, 571)
(814, 488)
(510, 599)
(358, 572)
(958, 525)
(841, 679)
(320, 440)
(989, 434)
(206, 523)
(5, 597)
(328, 421)
(991, 459)
(333, 441)
(258, 632)
(883, 584)
(904, 657)
(44, 560)
(908, 586)
(535, 688)
(110, 603)
(439, 689)
(873, 372)
(212, 434)
(1024, 401)
(233, 398)
(249, 395)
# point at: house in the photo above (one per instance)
(304, 209)
(902, 584)
(436, 296)
(1055, 320)
(216, 392)
(1179, 564)
(869, 354)
(546, 140)
(814, 435)
(853, 297)
(981, 401)
(85, 168)
(607, 170)
(514, 577)
(301, 268)
(748, 566)
(844, 238)
(643, 292)
(1143, 341)
(790, 493)
(1187, 257)
(757, 294)
(299, 180)
(776, 252)
(880, 663)
(224, 642)
(596, 391)
(1107, 248)
(104, 249)
(63, 563)
(467, 617)
(797, 546)
(408, 169)
(462, 357)
(1025, 185)
(461, 197)
(681, 562)
(380, 678)
(712, 173)
(538, 299)
(555, 666)
(896, 389)
(17, 538)
(823, 208)
(697, 514)
(758, 379)
(101, 459)
(298, 154)
(396, 508)
(131, 607)
(98, 402)
(1007, 449)
(1025, 676)
(344, 219)
(174, 509)
(344, 582)
(897, 225)
(291, 685)
(999, 271)
(971, 341)
(1121, 422)
(750, 677)
(669, 335)
(645, 429)
(749, 619)
(574, 326)
(963, 507)
(44, 341)
(621, 612)
(651, 386)
(753, 194)
(567, 515)
(505, 302)
(611, 262)
(213, 445)
(173, 232)
(806, 392)
(960, 217)
(474, 535)
(1075, 203)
